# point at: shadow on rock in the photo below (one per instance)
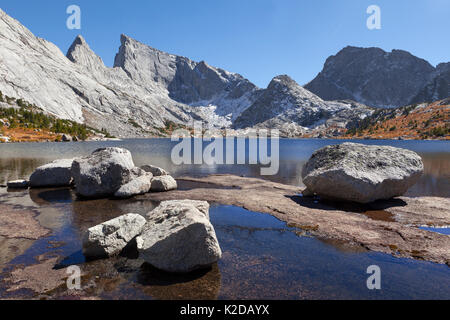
(373, 210)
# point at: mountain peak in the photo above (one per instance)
(284, 80)
(80, 53)
(372, 76)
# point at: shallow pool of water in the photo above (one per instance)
(263, 258)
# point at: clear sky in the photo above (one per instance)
(256, 38)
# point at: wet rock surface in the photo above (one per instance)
(20, 223)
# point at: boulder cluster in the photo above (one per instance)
(107, 172)
(177, 236)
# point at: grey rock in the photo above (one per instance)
(163, 183)
(437, 88)
(103, 173)
(156, 171)
(287, 106)
(173, 205)
(361, 173)
(372, 76)
(111, 237)
(178, 238)
(146, 88)
(18, 184)
(137, 186)
(55, 174)
(66, 138)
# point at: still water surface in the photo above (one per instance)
(263, 258)
(19, 160)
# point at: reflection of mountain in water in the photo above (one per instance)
(19, 160)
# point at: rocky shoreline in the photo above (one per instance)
(353, 195)
(400, 237)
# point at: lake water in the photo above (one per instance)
(263, 258)
(19, 160)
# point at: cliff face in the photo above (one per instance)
(378, 78)
(438, 87)
(148, 90)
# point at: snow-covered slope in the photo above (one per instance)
(289, 107)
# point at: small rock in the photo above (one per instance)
(202, 206)
(156, 171)
(66, 138)
(18, 184)
(55, 174)
(178, 237)
(111, 237)
(163, 183)
(139, 185)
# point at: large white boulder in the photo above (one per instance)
(178, 237)
(361, 173)
(111, 237)
(55, 174)
(163, 183)
(104, 172)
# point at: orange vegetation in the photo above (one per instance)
(430, 121)
(28, 135)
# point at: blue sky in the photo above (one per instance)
(256, 38)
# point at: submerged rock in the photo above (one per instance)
(55, 174)
(103, 173)
(156, 171)
(18, 184)
(139, 185)
(178, 237)
(163, 183)
(361, 173)
(111, 237)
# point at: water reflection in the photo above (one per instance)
(19, 160)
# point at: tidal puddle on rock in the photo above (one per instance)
(263, 258)
(445, 231)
